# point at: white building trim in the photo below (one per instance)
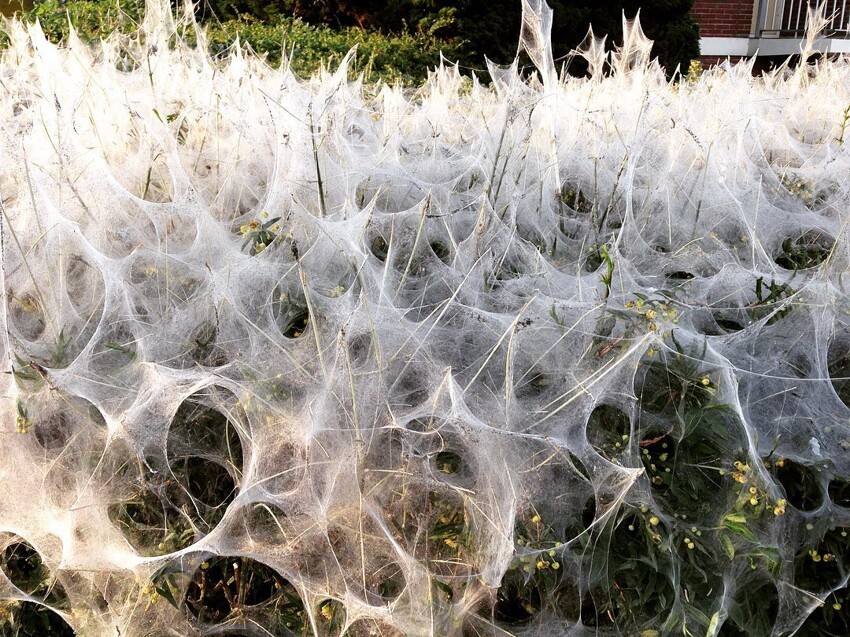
(724, 46)
(747, 47)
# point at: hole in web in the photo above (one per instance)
(202, 488)
(589, 613)
(536, 580)
(772, 300)
(379, 248)
(453, 463)
(23, 565)
(608, 430)
(832, 618)
(30, 619)
(694, 493)
(588, 512)
(673, 386)
(223, 587)
(800, 483)
(822, 561)
(680, 275)
(839, 492)
(523, 596)
(684, 434)
(52, 432)
(290, 313)
(593, 258)
(330, 617)
(634, 589)
(517, 599)
(441, 251)
(728, 321)
(448, 462)
(805, 251)
(205, 456)
(572, 201)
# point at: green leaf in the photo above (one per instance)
(712, 626)
(164, 583)
(738, 527)
(728, 547)
(771, 556)
(165, 593)
(700, 617)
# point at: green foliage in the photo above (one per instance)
(808, 250)
(845, 119)
(260, 234)
(93, 19)
(773, 301)
(491, 28)
(396, 41)
(404, 57)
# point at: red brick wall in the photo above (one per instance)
(713, 60)
(723, 18)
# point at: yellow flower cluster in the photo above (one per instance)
(740, 473)
(541, 557)
(544, 563)
(22, 425)
(249, 227)
(22, 421)
(657, 313)
(817, 557)
(259, 234)
(752, 495)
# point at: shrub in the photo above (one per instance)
(405, 57)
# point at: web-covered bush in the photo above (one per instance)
(297, 356)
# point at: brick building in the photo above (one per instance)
(767, 28)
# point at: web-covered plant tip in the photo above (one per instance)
(546, 356)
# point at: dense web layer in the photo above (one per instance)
(546, 356)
